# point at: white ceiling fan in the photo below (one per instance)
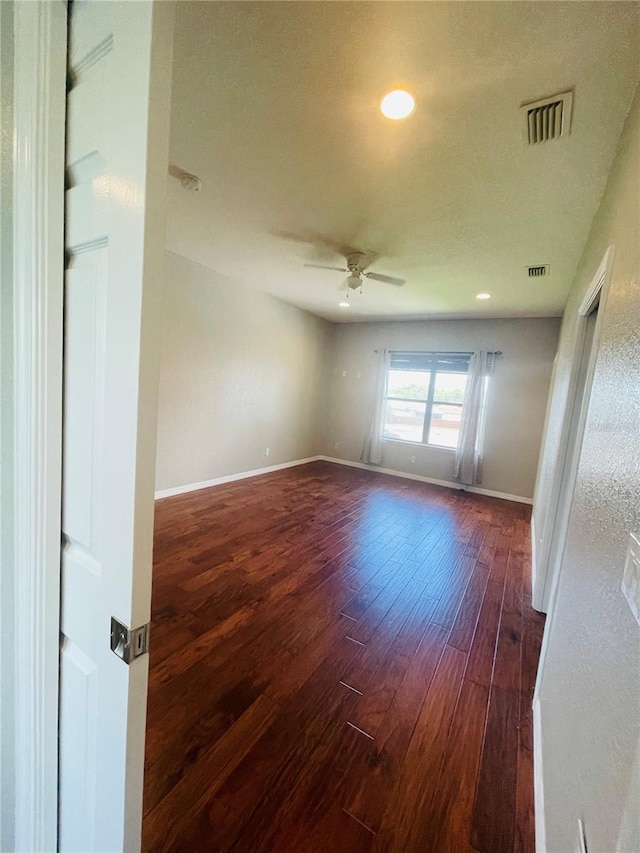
(357, 263)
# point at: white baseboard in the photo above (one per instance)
(231, 478)
(243, 475)
(422, 479)
(519, 499)
(538, 792)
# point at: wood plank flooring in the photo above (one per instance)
(340, 661)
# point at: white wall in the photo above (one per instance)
(590, 686)
(7, 675)
(516, 406)
(241, 371)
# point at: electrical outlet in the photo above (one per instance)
(413, 460)
(267, 451)
(358, 374)
(344, 374)
(336, 445)
(631, 577)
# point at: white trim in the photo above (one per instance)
(598, 288)
(560, 525)
(447, 484)
(534, 565)
(538, 780)
(519, 499)
(592, 293)
(231, 478)
(40, 37)
(555, 529)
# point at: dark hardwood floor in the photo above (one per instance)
(340, 661)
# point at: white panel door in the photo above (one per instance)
(120, 56)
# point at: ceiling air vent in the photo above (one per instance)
(538, 271)
(547, 119)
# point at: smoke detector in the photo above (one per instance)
(547, 119)
(190, 182)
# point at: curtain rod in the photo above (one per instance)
(442, 352)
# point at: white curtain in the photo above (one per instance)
(468, 463)
(372, 446)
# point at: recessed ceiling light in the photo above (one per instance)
(343, 304)
(483, 296)
(397, 104)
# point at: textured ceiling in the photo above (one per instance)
(275, 108)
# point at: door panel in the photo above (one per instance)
(116, 171)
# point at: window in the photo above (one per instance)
(425, 394)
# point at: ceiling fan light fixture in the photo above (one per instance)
(356, 267)
(397, 105)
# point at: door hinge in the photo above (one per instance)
(129, 643)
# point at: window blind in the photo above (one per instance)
(450, 362)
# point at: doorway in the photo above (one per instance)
(554, 529)
(560, 522)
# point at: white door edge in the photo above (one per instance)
(117, 154)
(538, 780)
(38, 218)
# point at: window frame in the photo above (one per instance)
(429, 402)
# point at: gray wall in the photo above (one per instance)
(516, 406)
(241, 371)
(590, 686)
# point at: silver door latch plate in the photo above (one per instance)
(129, 643)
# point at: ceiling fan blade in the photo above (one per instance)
(323, 267)
(387, 279)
